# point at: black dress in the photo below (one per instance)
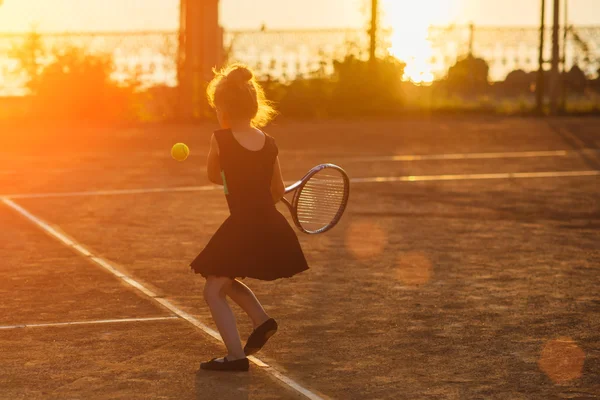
(255, 241)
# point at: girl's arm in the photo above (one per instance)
(277, 185)
(213, 166)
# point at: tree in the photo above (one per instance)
(596, 82)
(517, 82)
(70, 83)
(77, 85)
(576, 80)
(30, 56)
(362, 87)
(468, 76)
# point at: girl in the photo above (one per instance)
(255, 241)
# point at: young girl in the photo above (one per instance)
(255, 241)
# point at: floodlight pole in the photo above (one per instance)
(471, 38)
(373, 30)
(200, 49)
(563, 100)
(555, 71)
(539, 86)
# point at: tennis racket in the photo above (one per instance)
(319, 199)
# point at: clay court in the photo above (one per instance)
(467, 265)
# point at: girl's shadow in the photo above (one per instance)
(224, 385)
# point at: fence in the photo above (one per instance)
(151, 57)
(508, 49)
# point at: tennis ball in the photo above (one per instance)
(180, 151)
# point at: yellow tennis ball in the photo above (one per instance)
(180, 151)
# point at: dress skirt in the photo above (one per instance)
(262, 246)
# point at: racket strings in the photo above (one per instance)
(320, 200)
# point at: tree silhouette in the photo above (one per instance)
(576, 80)
(30, 56)
(468, 76)
(367, 87)
(517, 82)
(78, 85)
(70, 83)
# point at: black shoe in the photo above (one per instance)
(236, 365)
(259, 337)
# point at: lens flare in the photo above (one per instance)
(562, 360)
(365, 239)
(414, 268)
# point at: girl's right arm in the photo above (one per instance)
(277, 185)
(213, 166)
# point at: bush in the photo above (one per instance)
(357, 88)
(576, 80)
(306, 98)
(72, 84)
(361, 87)
(77, 86)
(517, 82)
(468, 76)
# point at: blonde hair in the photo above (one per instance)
(235, 91)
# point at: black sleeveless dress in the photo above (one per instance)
(255, 241)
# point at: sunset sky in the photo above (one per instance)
(408, 19)
(60, 15)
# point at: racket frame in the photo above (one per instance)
(297, 189)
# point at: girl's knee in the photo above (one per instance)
(236, 285)
(214, 288)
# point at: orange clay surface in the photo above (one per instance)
(436, 290)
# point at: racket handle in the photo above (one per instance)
(287, 203)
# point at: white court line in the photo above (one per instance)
(378, 179)
(112, 192)
(512, 175)
(167, 304)
(101, 321)
(462, 156)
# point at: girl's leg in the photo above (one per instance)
(245, 298)
(214, 294)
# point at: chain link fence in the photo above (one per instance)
(151, 57)
(148, 57)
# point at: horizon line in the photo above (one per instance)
(102, 32)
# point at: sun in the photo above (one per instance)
(409, 21)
